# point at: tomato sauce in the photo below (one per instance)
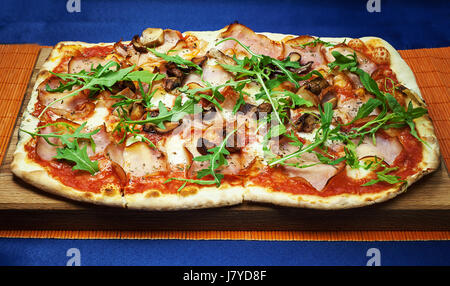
(80, 180)
(407, 162)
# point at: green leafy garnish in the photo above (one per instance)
(315, 42)
(259, 68)
(79, 157)
(177, 112)
(383, 176)
(99, 78)
(70, 149)
(216, 159)
(177, 60)
(399, 116)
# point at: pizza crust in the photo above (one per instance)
(226, 195)
(195, 198)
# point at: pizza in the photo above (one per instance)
(173, 120)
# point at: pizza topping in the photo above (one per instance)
(276, 92)
(317, 175)
(69, 149)
(152, 37)
(80, 63)
(305, 123)
(385, 148)
(258, 43)
(171, 38)
(141, 160)
(220, 57)
(316, 85)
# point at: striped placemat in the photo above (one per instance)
(16, 66)
(235, 235)
(430, 66)
(432, 70)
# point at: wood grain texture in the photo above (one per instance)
(425, 206)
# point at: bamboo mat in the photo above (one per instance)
(16, 66)
(430, 66)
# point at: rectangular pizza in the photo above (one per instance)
(172, 120)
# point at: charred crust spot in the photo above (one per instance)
(152, 194)
(188, 191)
(110, 189)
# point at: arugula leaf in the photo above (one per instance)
(315, 42)
(69, 148)
(325, 160)
(77, 156)
(177, 60)
(98, 79)
(343, 62)
(367, 108)
(144, 76)
(383, 176)
(326, 117)
(177, 112)
(399, 117)
(216, 159)
(199, 182)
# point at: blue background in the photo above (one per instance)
(405, 24)
(220, 253)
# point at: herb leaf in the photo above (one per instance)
(79, 157)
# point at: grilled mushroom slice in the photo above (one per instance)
(294, 57)
(169, 126)
(199, 60)
(170, 83)
(203, 145)
(328, 95)
(220, 57)
(316, 85)
(152, 37)
(263, 110)
(137, 111)
(138, 46)
(247, 108)
(305, 123)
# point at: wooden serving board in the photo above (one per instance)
(425, 206)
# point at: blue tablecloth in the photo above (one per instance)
(405, 24)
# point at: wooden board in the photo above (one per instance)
(425, 206)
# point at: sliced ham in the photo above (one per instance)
(308, 54)
(178, 158)
(44, 150)
(215, 74)
(77, 64)
(386, 148)
(73, 107)
(139, 159)
(317, 175)
(48, 151)
(115, 153)
(259, 44)
(364, 62)
(101, 140)
(171, 38)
